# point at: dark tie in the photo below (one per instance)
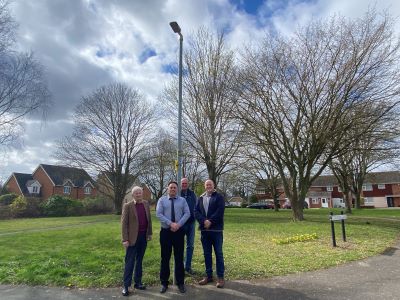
(172, 210)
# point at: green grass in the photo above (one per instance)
(86, 251)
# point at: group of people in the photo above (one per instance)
(177, 215)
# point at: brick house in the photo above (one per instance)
(380, 189)
(49, 180)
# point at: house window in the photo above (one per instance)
(67, 190)
(315, 201)
(368, 200)
(329, 188)
(260, 192)
(339, 189)
(35, 190)
(381, 186)
(367, 187)
(87, 190)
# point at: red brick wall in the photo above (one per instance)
(81, 193)
(395, 189)
(377, 192)
(47, 188)
(12, 186)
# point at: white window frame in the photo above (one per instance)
(260, 192)
(87, 190)
(329, 188)
(368, 200)
(367, 187)
(35, 189)
(381, 186)
(315, 201)
(339, 189)
(67, 189)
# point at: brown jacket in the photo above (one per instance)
(130, 223)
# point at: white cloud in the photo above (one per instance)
(85, 44)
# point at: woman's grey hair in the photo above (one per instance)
(136, 188)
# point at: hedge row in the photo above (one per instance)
(14, 206)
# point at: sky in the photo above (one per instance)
(84, 44)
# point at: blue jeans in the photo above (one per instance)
(133, 260)
(210, 239)
(190, 229)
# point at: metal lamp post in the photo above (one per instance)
(175, 27)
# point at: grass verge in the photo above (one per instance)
(86, 251)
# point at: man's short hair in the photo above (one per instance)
(173, 181)
(135, 188)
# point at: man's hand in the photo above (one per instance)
(174, 227)
(207, 224)
(125, 244)
(149, 238)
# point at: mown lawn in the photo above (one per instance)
(86, 251)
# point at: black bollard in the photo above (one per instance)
(343, 229)
(333, 231)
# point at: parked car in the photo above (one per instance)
(288, 205)
(267, 205)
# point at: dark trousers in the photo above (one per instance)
(209, 240)
(169, 240)
(133, 260)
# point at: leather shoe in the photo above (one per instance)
(220, 283)
(182, 288)
(125, 292)
(205, 280)
(163, 289)
(139, 286)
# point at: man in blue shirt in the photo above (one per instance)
(189, 226)
(173, 212)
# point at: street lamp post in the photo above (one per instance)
(175, 27)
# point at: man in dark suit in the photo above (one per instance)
(209, 212)
(136, 231)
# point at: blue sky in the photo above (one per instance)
(84, 44)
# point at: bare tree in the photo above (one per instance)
(23, 88)
(208, 124)
(379, 147)
(111, 129)
(300, 94)
(8, 27)
(258, 164)
(192, 167)
(157, 163)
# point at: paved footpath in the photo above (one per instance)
(372, 278)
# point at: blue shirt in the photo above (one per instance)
(163, 211)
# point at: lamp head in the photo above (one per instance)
(175, 27)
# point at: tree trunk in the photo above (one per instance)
(358, 201)
(348, 201)
(297, 208)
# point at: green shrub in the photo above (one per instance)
(5, 212)
(96, 205)
(59, 206)
(34, 208)
(18, 207)
(253, 198)
(7, 199)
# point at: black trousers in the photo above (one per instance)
(169, 240)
